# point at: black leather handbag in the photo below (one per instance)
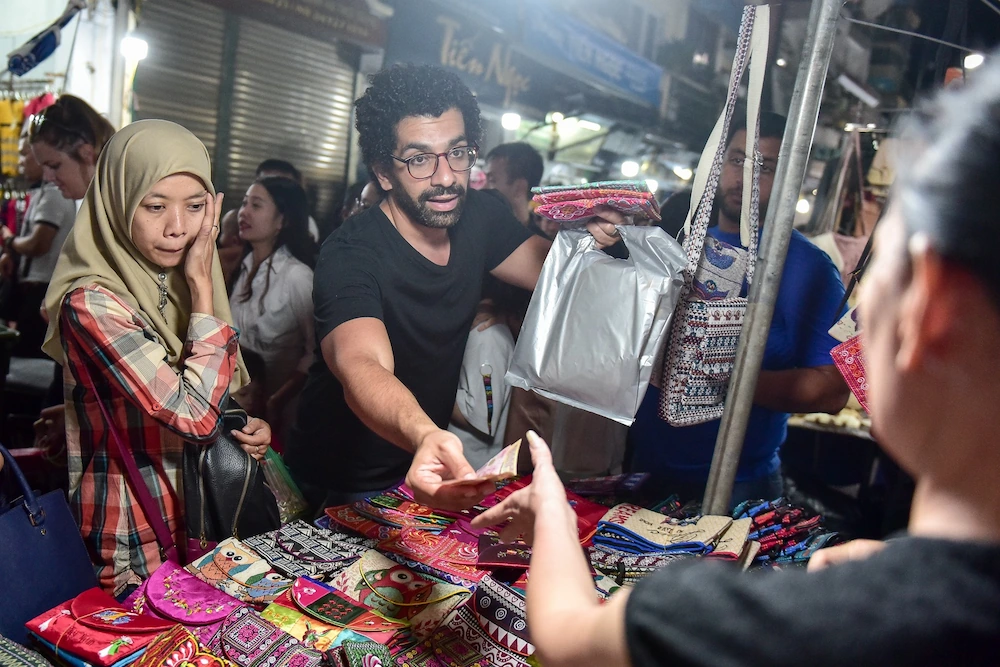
(225, 494)
(43, 561)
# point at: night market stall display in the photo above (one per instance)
(388, 581)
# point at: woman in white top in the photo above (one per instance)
(272, 297)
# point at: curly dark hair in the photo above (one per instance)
(402, 91)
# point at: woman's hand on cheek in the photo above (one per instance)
(201, 255)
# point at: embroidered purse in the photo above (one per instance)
(437, 555)
(95, 629)
(849, 359)
(248, 640)
(240, 572)
(396, 592)
(636, 530)
(173, 594)
(178, 648)
(301, 550)
(706, 327)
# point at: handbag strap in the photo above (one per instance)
(36, 515)
(150, 508)
(752, 46)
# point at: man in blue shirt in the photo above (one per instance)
(797, 373)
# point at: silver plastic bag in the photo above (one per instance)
(595, 323)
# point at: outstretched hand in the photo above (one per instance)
(519, 509)
(438, 459)
(603, 227)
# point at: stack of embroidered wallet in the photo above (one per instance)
(632, 529)
(578, 203)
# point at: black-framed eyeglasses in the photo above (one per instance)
(424, 165)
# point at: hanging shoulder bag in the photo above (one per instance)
(224, 490)
(707, 322)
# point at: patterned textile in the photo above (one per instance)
(421, 655)
(502, 613)
(250, 641)
(397, 592)
(577, 203)
(704, 334)
(583, 209)
(464, 643)
(346, 516)
(850, 361)
(158, 410)
(733, 542)
(629, 568)
(434, 554)
(720, 272)
(178, 648)
(300, 550)
(92, 628)
(328, 607)
(15, 655)
(367, 654)
(632, 529)
(174, 594)
(240, 572)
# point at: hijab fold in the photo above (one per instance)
(99, 250)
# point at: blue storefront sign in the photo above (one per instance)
(563, 38)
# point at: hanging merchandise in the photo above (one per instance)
(707, 325)
(22, 60)
(594, 322)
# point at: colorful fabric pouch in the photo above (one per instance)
(583, 209)
(93, 628)
(173, 594)
(497, 555)
(438, 555)
(636, 530)
(465, 642)
(575, 203)
(396, 592)
(178, 648)
(286, 616)
(329, 608)
(347, 516)
(240, 572)
(300, 550)
(629, 568)
(501, 612)
(248, 640)
(367, 654)
(849, 359)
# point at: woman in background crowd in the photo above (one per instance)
(138, 318)
(67, 138)
(272, 298)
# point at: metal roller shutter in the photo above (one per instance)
(292, 99)
(179, 80)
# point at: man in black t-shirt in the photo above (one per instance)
(395, 293)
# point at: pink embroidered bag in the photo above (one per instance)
(174, 594)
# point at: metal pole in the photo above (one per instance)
(118, 65)
(802, 115)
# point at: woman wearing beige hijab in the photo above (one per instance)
(138, 310)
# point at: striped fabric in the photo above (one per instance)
(155, 409)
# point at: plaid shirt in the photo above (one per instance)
(156, 409)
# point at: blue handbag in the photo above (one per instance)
(43, 561)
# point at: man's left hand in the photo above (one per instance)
(603, 227)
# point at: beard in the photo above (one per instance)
(722, 204)
(419, 211)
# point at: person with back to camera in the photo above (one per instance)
(138, 313)
(272, 297)
(930, 311)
